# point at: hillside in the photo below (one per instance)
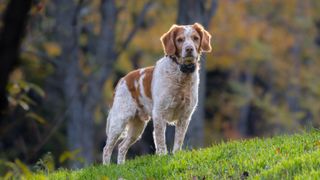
(294, 156)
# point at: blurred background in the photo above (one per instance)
(60, 61)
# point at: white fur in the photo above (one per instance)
(175, 95)
(141, 70)
(119, 118)
(188, 41)
(147, 103)
(174, 98)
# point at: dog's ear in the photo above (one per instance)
(167, 40)
(205, 45)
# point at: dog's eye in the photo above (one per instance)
(195, 38)
(180, 40)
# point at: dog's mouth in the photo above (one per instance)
(189, 60)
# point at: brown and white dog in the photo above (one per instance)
(167, 92)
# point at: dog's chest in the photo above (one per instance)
(174, 93)
(180, 97)
(179, 100)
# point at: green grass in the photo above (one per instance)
(282, 157)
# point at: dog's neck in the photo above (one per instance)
(174, 73)
(187, 69)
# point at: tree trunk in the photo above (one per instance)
(189, 12)
(106, 54)
(83, 95)
(294, 90)
(80, 123)
(243, 123)
(14, 24)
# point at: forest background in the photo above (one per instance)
(60, 61)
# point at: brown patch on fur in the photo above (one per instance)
(134, 76)
(197, 34)
(147, 81)
(130, 79)
(205, 37)
(168, 40)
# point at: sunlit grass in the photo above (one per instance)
(282, 157)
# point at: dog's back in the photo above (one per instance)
(138, 83)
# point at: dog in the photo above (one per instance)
(167, 92)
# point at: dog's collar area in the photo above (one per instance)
(185, 68)
(174, 59)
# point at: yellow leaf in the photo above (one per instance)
(49, 162)
(24, 168)
(24, 105)
(68, 155)
(317, 144)
(53, 49)
(104, 178)
(83, 40)
(36, 117)
(8, 175)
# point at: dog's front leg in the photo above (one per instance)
(159, 126)
(180, 132)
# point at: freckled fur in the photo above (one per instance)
(162, 92)
(147, 81)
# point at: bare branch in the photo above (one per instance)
(106, 52)
(60, 119)
(75, 23)
(137, 25)
(211, 11)
(42, 55)
(120, 9)
(51, 132)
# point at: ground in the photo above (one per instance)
(282, 157)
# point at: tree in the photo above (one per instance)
(83, 92)
(66, 34)
(15, 21)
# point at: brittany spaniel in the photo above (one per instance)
(167, 92)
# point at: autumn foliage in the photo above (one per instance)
(262, 77)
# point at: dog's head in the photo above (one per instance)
(186, 42)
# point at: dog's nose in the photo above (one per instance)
(189, 49)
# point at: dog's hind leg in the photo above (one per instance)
(113, 136)
(136, 127)
(123, 109)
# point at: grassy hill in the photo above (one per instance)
(283, 157)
